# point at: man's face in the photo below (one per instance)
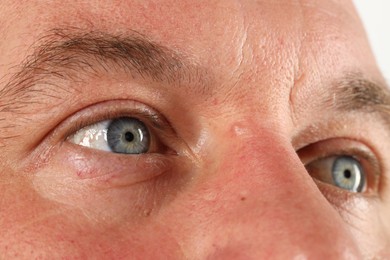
(191, 130)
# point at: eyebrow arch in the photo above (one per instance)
(64, 53)
(355, 93)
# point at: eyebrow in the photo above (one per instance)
(353, 92)
(65, 53)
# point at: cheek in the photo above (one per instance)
(363, 216)
(110, 187)
(54, 212)
(113, 204)
(110, 169)
(37, 227)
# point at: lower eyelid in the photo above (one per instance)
(113, 169)
(346, 147)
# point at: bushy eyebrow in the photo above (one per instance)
(67, 53)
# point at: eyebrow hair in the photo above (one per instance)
(355, 93)
(64, 53)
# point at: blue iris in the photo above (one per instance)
(348, 174)
(128, 135)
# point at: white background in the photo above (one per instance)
(376, 19)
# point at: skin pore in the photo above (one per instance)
(248, 105)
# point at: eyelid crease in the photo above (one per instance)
(346, 147)
(351, 94)
(338, 147)
(84, 122)
(119, 108)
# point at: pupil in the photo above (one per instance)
(129, 136)
(347, 174)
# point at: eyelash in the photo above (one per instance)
(98, 165)
(84, 121)
(345, 147)
(161, 128)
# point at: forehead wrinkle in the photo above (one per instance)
(65, 53)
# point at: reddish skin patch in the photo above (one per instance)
(251, 52)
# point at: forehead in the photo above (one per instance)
(192, 24)
(188, 23)
(271, 41)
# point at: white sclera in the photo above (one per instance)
(92, 136)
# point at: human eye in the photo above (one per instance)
(123, 128)
(125, 135)
(116, 142)
(344, 164)
(343, 171)
(116, 150)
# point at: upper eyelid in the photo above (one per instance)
(108, 110)
(349, 147)
(164, 138)
(344, 146)
(373, 147)
(50, 140)
(328, 164)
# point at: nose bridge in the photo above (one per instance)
(265, 204)
(261, 157)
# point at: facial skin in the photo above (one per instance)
(247, 104)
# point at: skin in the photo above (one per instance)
(236, 186)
